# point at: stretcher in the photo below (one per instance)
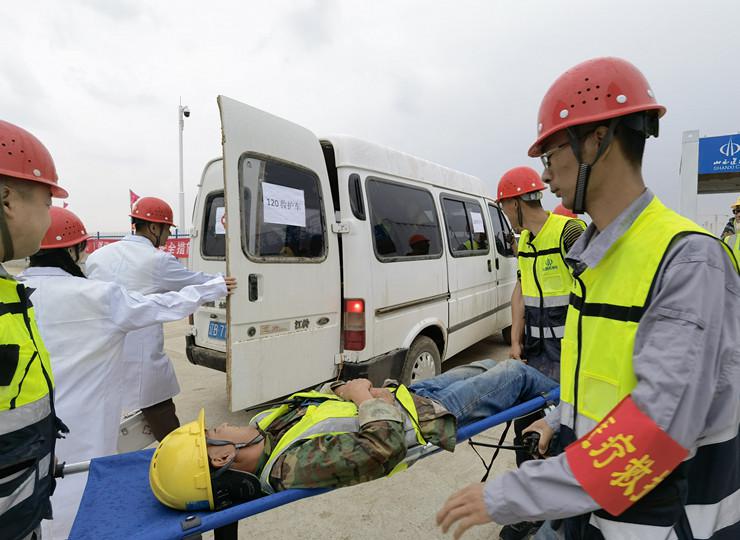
(117, 502)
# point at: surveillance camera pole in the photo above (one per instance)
(181, 195)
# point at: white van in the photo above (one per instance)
(352, 260)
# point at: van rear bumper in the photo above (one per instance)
(385, 366)
(202, 356)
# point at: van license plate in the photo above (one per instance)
(216, 330)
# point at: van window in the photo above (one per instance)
(466, 228)
(286, 220)
(404, 221)
(213, 244)
(501, 231)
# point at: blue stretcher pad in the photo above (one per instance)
(117, 502)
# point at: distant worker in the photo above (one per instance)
(733, 224)
(540, 298)
(85, 341)
(137, 264)
(539, 301)
(650, 388)
(733, 239)
(29, 426)
(563, 211)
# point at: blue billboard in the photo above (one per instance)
(718, 155)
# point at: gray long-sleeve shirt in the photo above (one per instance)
(686, 360)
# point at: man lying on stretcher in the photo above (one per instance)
(350, 433)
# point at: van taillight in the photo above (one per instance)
(354, 324)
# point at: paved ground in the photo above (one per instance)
(399, 507)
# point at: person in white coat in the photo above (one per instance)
(136, 263)
(83, 323)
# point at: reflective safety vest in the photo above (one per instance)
(328, 414)
(28, 425)
(605, 309)
(546, 282)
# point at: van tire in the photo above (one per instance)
(506, 334)
(422, 361)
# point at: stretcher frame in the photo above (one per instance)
(225, 522)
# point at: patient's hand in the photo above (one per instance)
(356, 391)
(382, 393)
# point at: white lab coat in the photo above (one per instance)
(134, 263)
(83, 324)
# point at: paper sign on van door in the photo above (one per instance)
(220, 225)
(283, 205)
(477, 222)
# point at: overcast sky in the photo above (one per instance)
(458, 83)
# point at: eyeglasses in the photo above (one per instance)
(736, 210)
(545, 158)
(237, 446)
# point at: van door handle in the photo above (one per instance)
(252, 287)
(496, 263)
(489, 264)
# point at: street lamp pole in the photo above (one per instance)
(182, 113)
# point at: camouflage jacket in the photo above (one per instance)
(351, 458)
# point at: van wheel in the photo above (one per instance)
(422, 361)
(506, 334)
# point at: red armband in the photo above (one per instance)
(623, 457)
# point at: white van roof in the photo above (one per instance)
(356, 153)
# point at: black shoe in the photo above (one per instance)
(520, 531)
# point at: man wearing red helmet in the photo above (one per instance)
(650, 375)
(138, 265)
(29, 426)
(540, 299)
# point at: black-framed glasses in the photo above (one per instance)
(545, 158)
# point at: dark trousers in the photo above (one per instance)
(161, 418)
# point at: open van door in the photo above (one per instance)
(284, 320)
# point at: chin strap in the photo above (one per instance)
(519, 216)
(8, 251)
(584, 169)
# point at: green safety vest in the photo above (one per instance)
(330, 415)
(27, 421)
(545, 276)
(607, 304)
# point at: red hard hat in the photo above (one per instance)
(152, 209)
(66, 229)
(518, 181)
(415, 238)
(594, 90)
(23, 157)
(563, 211)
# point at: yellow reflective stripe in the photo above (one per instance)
(404, 398)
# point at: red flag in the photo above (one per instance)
(64, 205)
(133, 197)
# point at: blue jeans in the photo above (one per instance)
(484, 388)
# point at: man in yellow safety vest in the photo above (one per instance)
(650, 375)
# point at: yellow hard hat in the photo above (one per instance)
(737, 203)
(178, 473)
